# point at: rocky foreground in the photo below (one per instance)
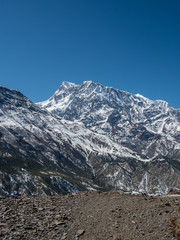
(91, 216)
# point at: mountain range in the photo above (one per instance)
(87, 137)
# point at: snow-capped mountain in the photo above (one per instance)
(149, 128)
(87, 137)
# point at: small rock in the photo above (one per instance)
(116, 237)
(3, 224)
(58, 222)
(19, 225)
(28, 227)
(3, 209)
(64, 236)
(167, 204)
(40, 209)
(80, 233)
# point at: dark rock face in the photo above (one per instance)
(88, 137)
(34, 158)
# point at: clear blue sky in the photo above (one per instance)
(132, 45)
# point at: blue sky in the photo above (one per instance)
(131, 45)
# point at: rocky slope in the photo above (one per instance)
(90, 216)
(36, 154)
(87, 137)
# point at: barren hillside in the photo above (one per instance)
(90, 216)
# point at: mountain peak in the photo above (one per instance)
(87, 83)
(142, 97)
(96, 105)
(66, 84)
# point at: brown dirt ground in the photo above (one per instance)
(91, 216)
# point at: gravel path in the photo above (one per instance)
(91, 216)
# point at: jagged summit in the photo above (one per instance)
(90, 87)
(67, 84)
(88, 82)
(91, 98)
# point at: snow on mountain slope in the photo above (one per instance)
(89, 136)
(35, 144)
(149, 128)
(44, 124)
(35, 136)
